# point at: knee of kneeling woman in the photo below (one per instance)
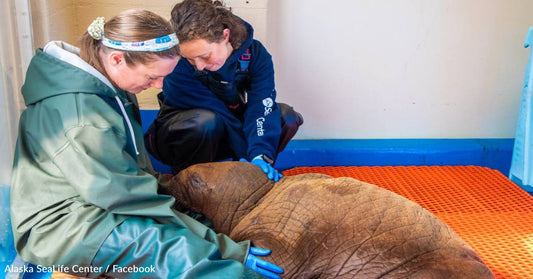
(207, 122)
(291, 119)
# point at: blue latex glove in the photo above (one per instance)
(261, 266)
(270, 171)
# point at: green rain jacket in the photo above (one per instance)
(80, 169)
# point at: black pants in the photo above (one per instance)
(181, 138)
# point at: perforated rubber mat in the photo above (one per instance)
(489, 211)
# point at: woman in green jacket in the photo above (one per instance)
(84, 198)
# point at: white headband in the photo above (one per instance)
(157, 44)
(96, 30)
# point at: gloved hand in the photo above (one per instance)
(270, 171)
(261, 266)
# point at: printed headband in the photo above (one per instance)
(96, 30)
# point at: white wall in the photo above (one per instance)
(67, 19)
(401, 69)
(15, 53)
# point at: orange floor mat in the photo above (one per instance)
(484, 207)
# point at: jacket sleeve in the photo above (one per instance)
(183, 90)
(94, 162)
(262, 124)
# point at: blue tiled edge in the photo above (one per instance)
(492, 153)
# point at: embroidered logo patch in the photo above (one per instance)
(268, 102)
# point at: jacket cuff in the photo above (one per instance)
(258, 152)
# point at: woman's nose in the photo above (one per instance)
(158, 83)
(199, 65)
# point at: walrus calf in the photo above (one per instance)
(323, 227)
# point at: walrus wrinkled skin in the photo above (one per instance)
(323, 227)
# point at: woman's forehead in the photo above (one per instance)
(195, 48)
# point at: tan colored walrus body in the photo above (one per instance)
(323, 227)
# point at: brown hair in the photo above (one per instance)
(203, 19)
(133, 25)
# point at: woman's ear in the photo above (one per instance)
(226, 33)
(114, 63)
(116, 58)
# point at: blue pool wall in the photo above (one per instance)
(492, 153)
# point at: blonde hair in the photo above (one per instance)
(133, 25)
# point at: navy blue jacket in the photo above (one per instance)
(244, 98)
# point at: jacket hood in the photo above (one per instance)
(246, 44)
(57, 69)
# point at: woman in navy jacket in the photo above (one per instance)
(219, 102)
